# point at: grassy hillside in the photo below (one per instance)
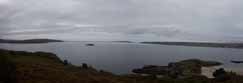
(40, 67)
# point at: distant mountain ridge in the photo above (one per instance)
(123, 41)
(29, 41)
(200, 44)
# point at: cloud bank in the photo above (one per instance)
(135, 20)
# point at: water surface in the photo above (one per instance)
(121, 58)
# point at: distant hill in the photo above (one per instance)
(123, 41)
(29, 41)
(200, 44)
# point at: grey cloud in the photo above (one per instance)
(139, 20)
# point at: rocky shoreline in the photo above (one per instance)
(208, 71)
(180, 69)
(42, 67)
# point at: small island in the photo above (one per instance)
(90, 44)
(29, 41)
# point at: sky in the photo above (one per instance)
(118, 20)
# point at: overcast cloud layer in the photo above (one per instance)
(135, 20)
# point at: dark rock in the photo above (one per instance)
(89, 44)
(65, 62)
(153, 70)
(85, 66)
(237, 62)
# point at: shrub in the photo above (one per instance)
(65, 62)
(7, 70)
(220, 75)
(85, 66)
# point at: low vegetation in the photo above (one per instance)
(41, 67)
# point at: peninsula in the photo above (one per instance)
(29, 41)
(200, 44)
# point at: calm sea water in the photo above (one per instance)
(121, 58)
